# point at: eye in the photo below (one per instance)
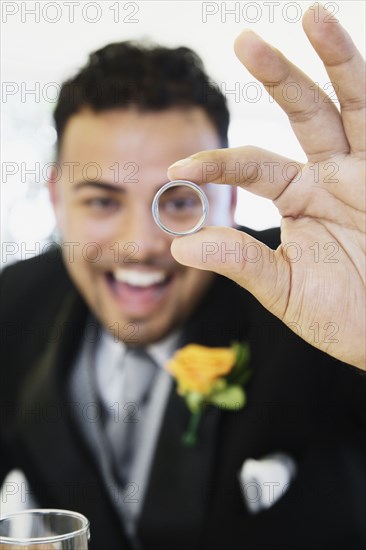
(181, 205)
(103, 204)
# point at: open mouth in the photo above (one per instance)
(138, 291)
(138, 280)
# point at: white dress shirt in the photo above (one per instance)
(109, 380)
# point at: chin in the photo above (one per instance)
(134, 331)
(150, 332)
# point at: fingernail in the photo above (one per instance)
(182, 162)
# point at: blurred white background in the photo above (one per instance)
(44, 43)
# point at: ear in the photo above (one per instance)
(54, 192)
(52, 187)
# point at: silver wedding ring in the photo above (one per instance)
(180, 183)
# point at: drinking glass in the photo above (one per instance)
(44, 529)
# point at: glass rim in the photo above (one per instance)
(53, 538)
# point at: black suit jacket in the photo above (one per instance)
(300, 401)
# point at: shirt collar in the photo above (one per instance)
(113, 349)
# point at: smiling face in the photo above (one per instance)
(112, 164)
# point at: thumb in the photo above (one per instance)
(241, 258)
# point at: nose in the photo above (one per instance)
(148, 240)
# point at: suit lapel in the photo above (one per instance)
(182, 478)
(53, 446)
(175, 504)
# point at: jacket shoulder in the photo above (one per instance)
(31, 295)
(27, 284)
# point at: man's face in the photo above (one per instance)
(112, 164)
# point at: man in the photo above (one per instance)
(75, 323)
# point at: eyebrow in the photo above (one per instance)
(99, 185)
(104, 186)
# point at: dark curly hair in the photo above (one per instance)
(144, 76)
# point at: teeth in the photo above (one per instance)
(139, 278)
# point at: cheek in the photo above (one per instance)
(101, 231)
(91, 240)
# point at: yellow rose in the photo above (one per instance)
(197, 368)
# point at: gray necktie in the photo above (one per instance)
(123, 428)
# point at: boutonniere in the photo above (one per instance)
(213, 376)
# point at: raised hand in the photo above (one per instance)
(315, 280)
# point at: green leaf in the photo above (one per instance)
(232, 397)
(236, 376)
(242, 353)
(243, 377)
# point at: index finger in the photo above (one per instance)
(345, 67)
(317, 123)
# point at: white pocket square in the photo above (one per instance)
(15, 494)
(265, 480)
